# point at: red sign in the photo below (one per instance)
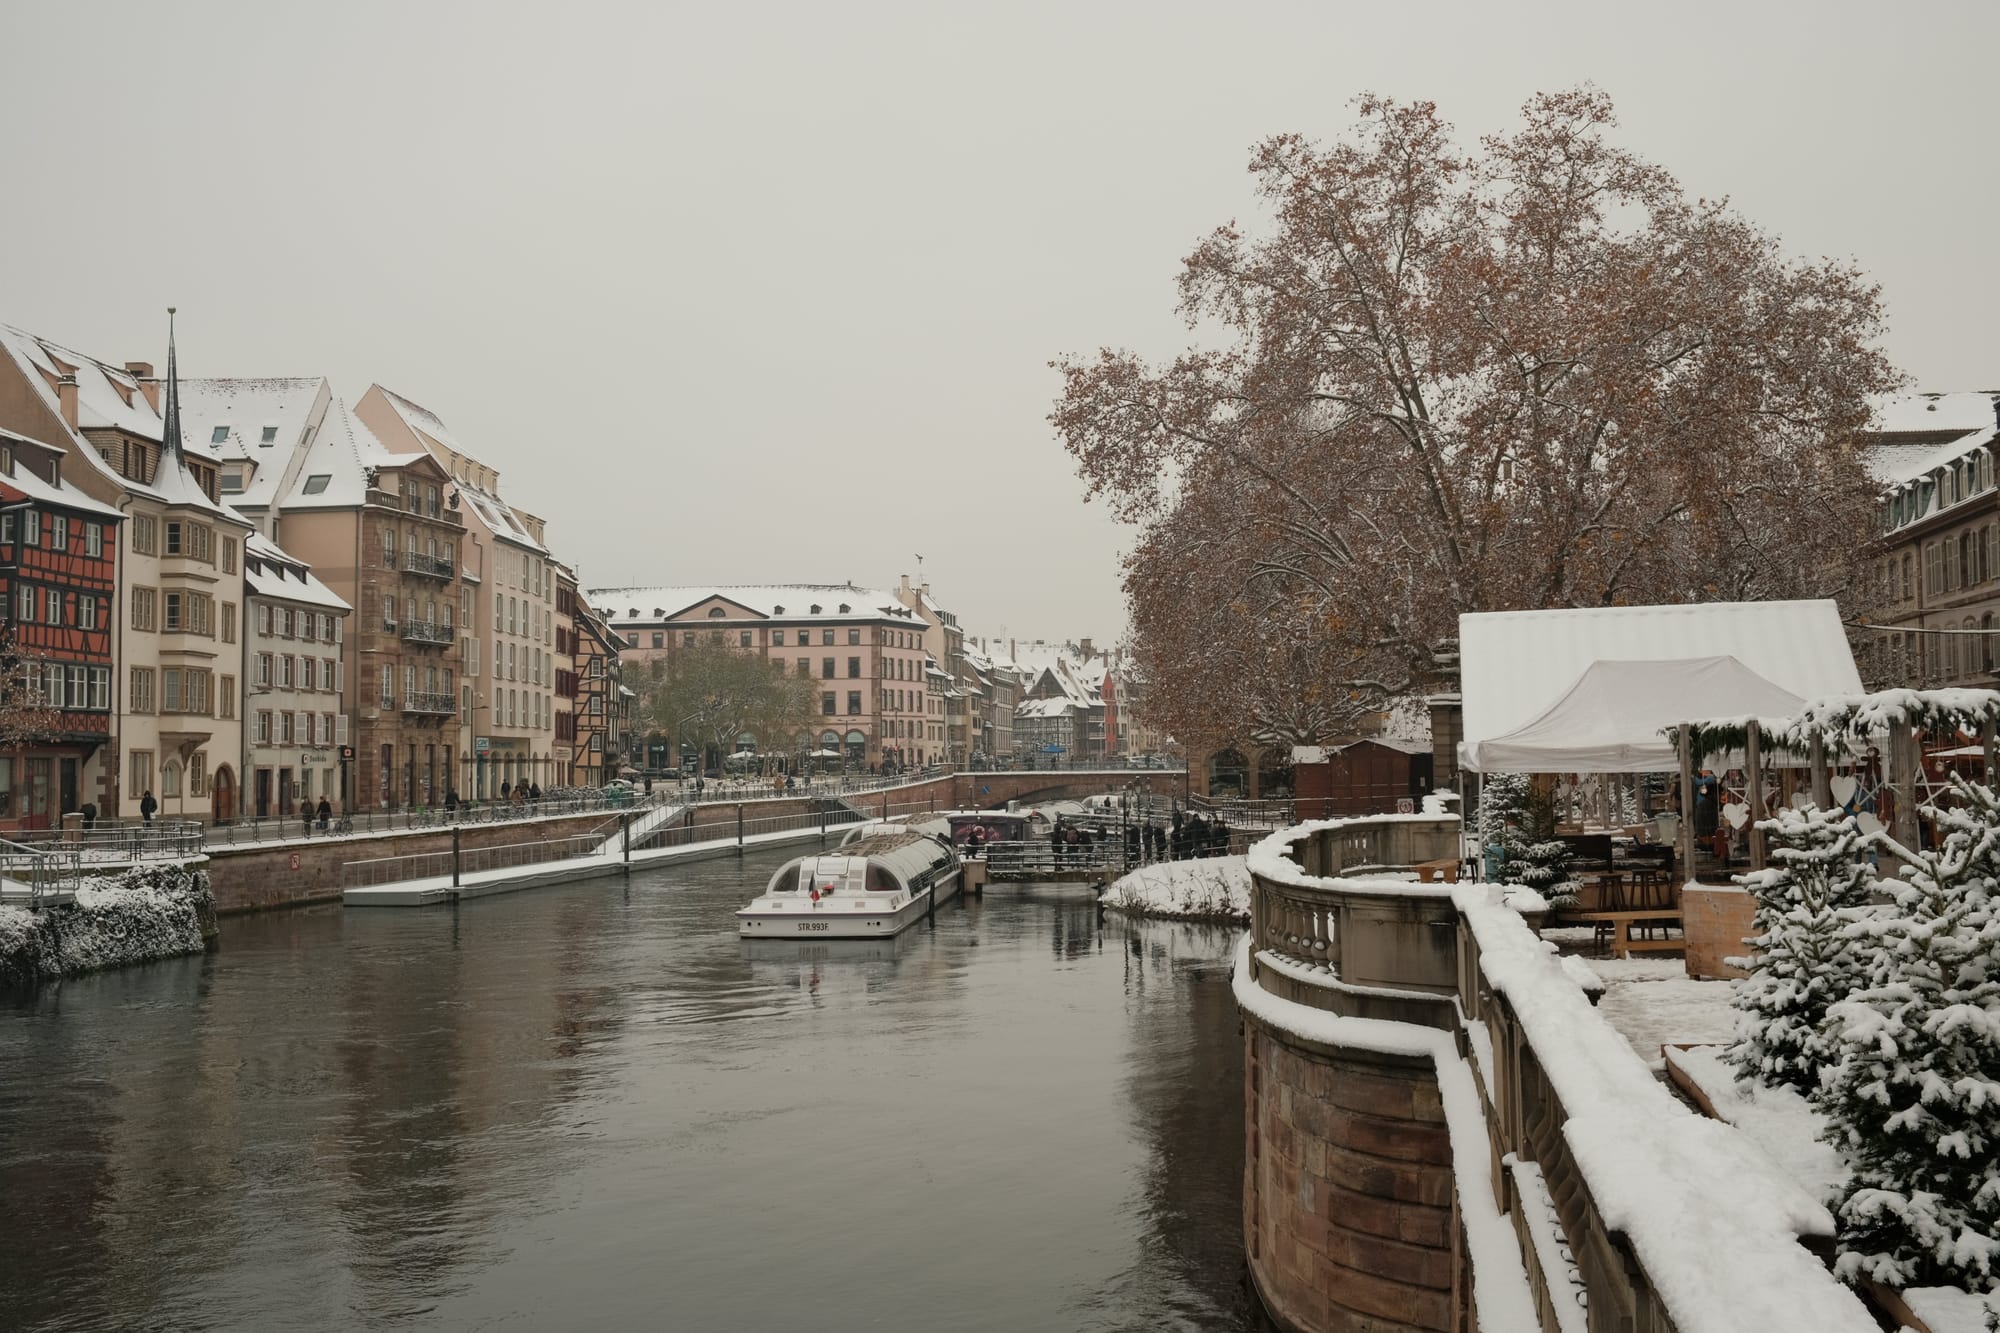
(295, 860)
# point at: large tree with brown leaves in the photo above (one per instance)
(1535, 374)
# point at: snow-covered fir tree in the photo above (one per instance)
(1913, 1099)
(1521, 822)
(1805, 958)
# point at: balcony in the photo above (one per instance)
(429, 631)
(430, 566)
(426, 702)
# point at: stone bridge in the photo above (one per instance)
(991, 791)
(1442, 1133)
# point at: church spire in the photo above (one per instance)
(170, 436)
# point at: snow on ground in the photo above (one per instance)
(1950, 1310)
(1653, 1001)
(1211, 888)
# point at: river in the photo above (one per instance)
(594, 1108)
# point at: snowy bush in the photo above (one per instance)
(1214, 888)
(1913, 1099)
(1805, 959)
(143, 914)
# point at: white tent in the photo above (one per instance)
(1611, 719)
(1514, 665)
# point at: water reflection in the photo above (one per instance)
(597, 1108)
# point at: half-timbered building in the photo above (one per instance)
(58, 588)
(174, 717)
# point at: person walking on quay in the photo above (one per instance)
(506, 791)
(325, 813)
(451, 802)
(535, 791)
(148, 807)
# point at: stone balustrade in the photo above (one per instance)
(1415, 1061)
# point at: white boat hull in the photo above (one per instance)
(865, 916)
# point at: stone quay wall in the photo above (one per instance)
(1348, 1213)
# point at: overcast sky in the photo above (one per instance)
(766, 293)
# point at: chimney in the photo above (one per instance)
(142, 371)
(1012, 656)
(66, 400)
(906, 585)
(1083, 646)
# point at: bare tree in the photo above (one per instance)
(1534, 374)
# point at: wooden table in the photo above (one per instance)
(1429, 872)
(1622, 943)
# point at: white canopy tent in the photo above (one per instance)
(1515, 666)
(1617, 716)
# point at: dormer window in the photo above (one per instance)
(218, 435)
(845, 608)
(815, 609)
(777, 610)
(269, 437)
(316, 483)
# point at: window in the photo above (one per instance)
(93, 539)
(58, 533)
(286, 668)
(229, 555)
(24, 608)
(100, 689)
(854, 636)
(144, 535)
(826, 637)
(826, 668)
(86, 611)
(176, 538)
(388, 685)
(263, 728)
(141, 774)
(687, 639)
(287, 728)
(288, 623)
(176, 611)
(269, 437)
(826, 702)
(7, 529)
(52, 606)
(805, 666)
(743, 639)
(31, 528)
(225, 697)
(777, 638)
(220, 434)
(853, 701)
(853, 668)
(326, 674)
(389, 611)
(142, 689)
(229, 622)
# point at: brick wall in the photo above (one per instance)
(1347, 1193)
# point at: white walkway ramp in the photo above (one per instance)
(647, 824)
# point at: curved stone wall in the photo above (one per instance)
(1348, 1214)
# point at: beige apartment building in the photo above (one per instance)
(175, 726)
(508, 634)
(379, 530)
(861, 646)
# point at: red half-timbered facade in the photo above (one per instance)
(58, 585)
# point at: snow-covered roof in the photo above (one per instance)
(1055, 707)
(621, 607)
(31, 485)
(269, 572)
(334, 472)
(1514, 664)
(260, 421)
(506, 522)
(108, 397)
(1909, 435)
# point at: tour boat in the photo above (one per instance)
(876, 886)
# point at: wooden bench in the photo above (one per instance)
(1622, 942)
(1429, 872)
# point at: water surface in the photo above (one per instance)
(595, 1108)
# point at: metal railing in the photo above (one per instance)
(428, 701)
(432, 566)
(469, 860)
(48, 873)
(420, 818)
(429, 631)
(120, 840)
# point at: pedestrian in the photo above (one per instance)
(148, 807)
(699, 784)
(506, 790)
(89, 813)
(450, 801)
(535, 791)
(325, 813)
